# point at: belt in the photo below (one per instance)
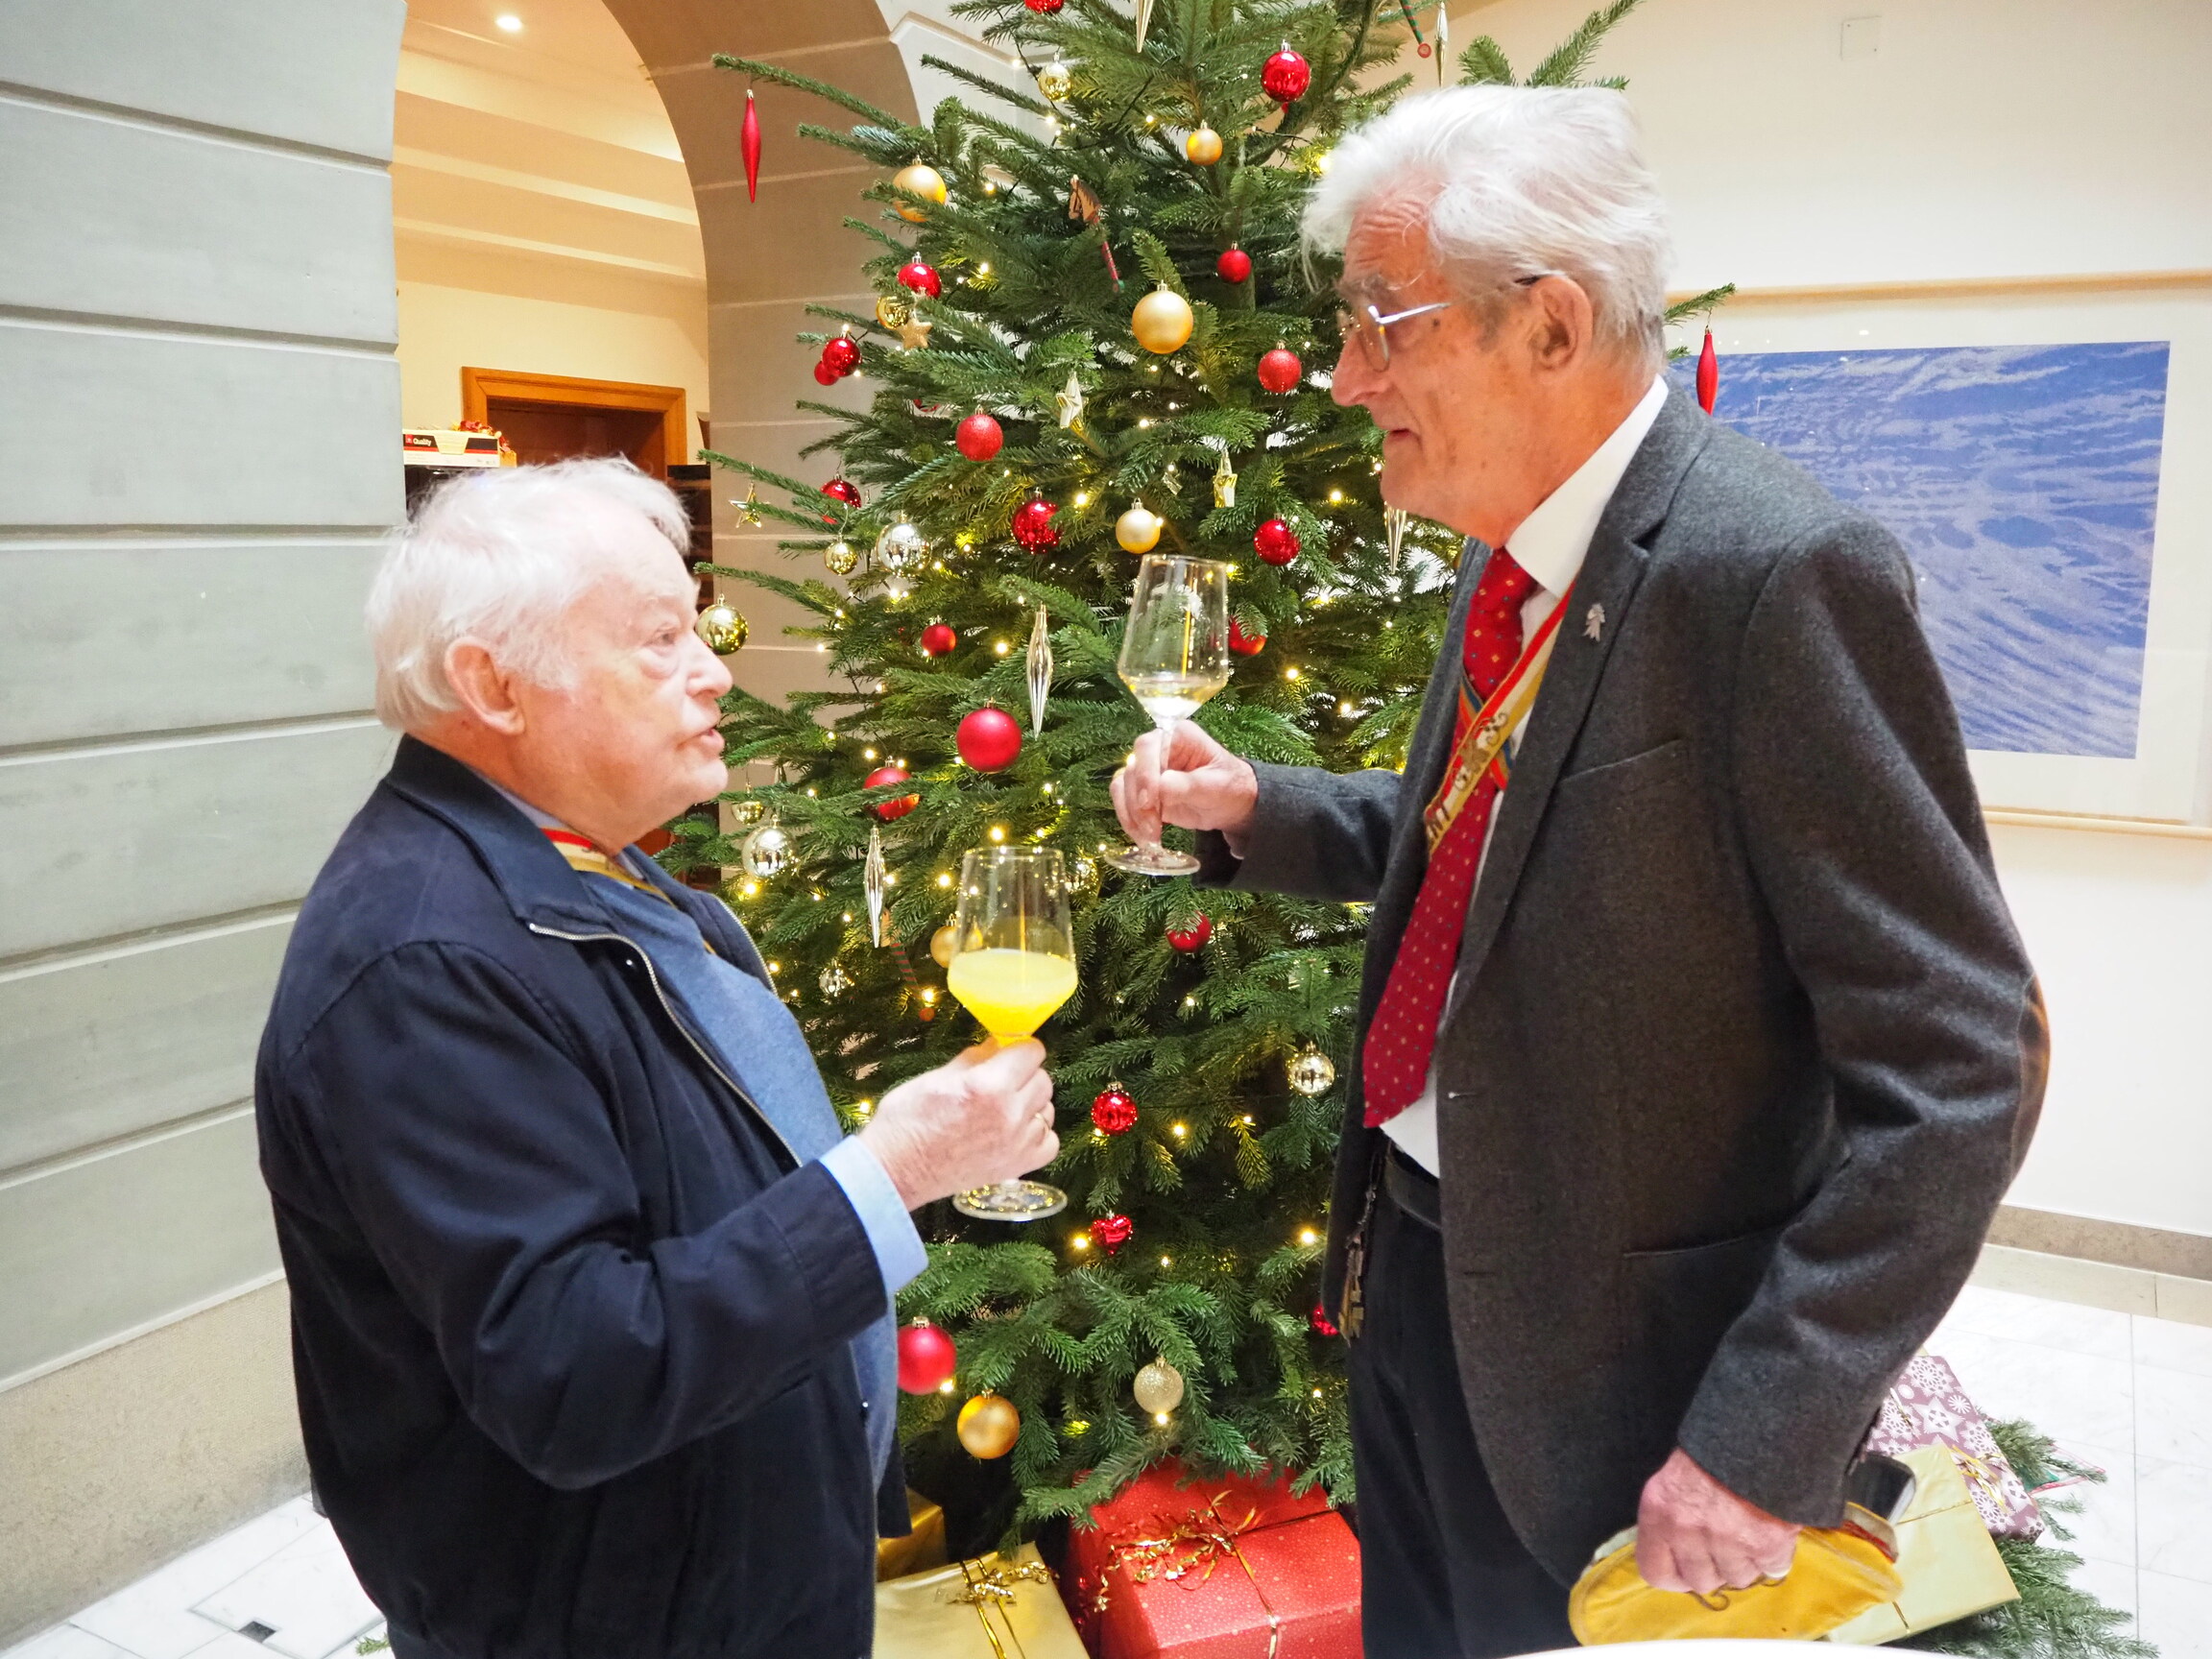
(1414, 1189)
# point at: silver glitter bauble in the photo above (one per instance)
(1311, 1072)
(767, 851)
(834, 982)
(901, 547)
(1159, 1387)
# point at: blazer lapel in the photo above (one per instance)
(1599, 605)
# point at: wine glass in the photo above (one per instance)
(1175, 656)
(1013, 964)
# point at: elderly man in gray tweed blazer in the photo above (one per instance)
(1697, 1046)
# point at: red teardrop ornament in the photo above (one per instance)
(1708, 374)
(749, 141)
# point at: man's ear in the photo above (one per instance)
(486, 690)
(1561, 323)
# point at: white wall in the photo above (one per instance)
(1998, 142)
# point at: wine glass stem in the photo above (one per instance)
(1166, 726)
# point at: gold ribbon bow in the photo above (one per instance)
(1186, 1549)
(991, 1590)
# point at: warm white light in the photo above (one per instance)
(752, 888)
(508, 21)
(1082, 497)
(868, 754)
(1167, 1262)
(1078, 1240)
(998, 646)
(944, 880)
(1307, 1236)
(1160, 1418)
(984, 268)
(997, 831)
(1181, 1130)
(1290, 673)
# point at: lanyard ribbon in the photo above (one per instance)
(1483, 727)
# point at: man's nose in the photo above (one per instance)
(709, 675)
(1354, 382)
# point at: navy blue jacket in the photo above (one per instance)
(570, 1326)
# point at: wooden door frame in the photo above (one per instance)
(479, 386)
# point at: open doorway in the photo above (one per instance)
(556, 417)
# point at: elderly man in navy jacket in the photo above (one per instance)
(591, 1298)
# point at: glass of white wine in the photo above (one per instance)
(1013, 964)
(1175, 656)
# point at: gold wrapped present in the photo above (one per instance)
(920, 1550)
(1945, 1557)
(994, 1607)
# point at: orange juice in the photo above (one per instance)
(1011, 992)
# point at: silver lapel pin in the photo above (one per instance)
(1594, 622)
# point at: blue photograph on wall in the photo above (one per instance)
(2023, 480)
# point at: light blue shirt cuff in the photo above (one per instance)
(899, 1253)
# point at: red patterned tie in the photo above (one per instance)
(1395, 1064)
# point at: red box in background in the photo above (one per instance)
(1229, 1568)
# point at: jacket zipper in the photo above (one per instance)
(669, 1008)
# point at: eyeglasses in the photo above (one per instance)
(1371, 329)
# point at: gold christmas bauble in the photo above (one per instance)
(941, 943)
(1138, 530)
(722, 628)
(840, 558)
(921, 179)
(1204, 146)
(988, 1425)
(1162, 320)
(1055, 81)
(1311, 1072)
(747, 813)
(1159, 1387)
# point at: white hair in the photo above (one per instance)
(498, 556)
(1516, 181)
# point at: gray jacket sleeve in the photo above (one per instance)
(1314, 834)
(1862, 830)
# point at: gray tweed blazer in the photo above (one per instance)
(1745, 1049)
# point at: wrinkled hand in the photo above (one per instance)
(1183, 777)
(1692, 1533)
(984, 1116)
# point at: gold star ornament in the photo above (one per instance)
(1069, 399)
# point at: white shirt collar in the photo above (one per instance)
(1552, 540)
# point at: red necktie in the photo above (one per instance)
(1395, 1063)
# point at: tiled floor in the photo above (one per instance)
(2130, 1393)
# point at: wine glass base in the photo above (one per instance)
(1144, 861)
(1011, 1201)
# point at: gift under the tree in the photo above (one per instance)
(994, 1607)
(921, 1548)
(1926, 1406)
(1947, 1563)
(1228, 1568)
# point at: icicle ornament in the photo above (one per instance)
(871, 883)
(1394, 522)
(1040, 665)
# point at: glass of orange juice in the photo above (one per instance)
(1013, 964)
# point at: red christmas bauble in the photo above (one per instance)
(1323, 1325)
(1286, 76)
(1234, 266)
(1275, 542)
(1280, 369)
(1033, 524)
(1113, 1111)
(841, 490)
(1193, 937)
(1245, 644)
(978, 437)
(989, 740)
(937, 639)
(1111, 1232)
(926, 1358)
(824, 376)
(842, 353)
(1047, 7)
(898, 806)
(921, 278)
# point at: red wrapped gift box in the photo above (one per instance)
(1229, 1568)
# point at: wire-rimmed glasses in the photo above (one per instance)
(1366, 325)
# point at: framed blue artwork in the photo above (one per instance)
(2023, 481)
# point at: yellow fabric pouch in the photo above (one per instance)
(1838, 1574)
